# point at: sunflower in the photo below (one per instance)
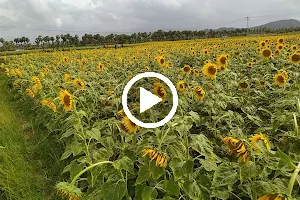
(249, 64)
(181, 86)
(186, 69)
(294, 48)
(284, 73)
(129, 126)
(67, 77)
(161, 61)
(262, 44)
(196, 72)
(210, 70)
(160, 91)
(280, 47)
(271, 197)
(169, 64)
(222, 60)
(266, 53)
(244, 85)
(238, 148)
(30, 93)
(160, 158)
(66, 99)
(121, 114)
(66, 190)
(205, 51)
(7, 71)
(19, 73)
(259, 137)
(36, 88)
(50, 104)
(295, 58)
(100, 67)
(79, 83)
(199, 91)
(280, 40)
(276, 52)
(280, 80)
(262, 83)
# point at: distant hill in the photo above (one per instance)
(288, 23)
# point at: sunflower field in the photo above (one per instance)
(234, 136)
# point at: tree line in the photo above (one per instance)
(67, 40)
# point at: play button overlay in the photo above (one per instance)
(149, 100)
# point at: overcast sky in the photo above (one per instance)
(92, 16)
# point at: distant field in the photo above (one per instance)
(234, 136)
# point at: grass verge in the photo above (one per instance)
(29, 156)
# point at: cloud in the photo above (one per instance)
(103, 16)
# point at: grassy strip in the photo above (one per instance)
(29, 158)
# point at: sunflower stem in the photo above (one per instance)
(292, 180)
(88, 168)
(296, 126)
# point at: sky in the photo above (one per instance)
(31, 18)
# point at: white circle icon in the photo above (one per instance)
(147, 100)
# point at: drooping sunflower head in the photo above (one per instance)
(78, 83)
(49, 104)
(295, 58)
(66, 190)
(210, 70)
(129, 126)
(160, 158)
(30, 93)
(160, 91)
(266, 53)
(199, 92)
(259, 137)
(238, 148)
(66, 99)
(121, 114)
(67, 77)
(280, 80)
(243, 85)
(272, 197)
(186, 69)
(181, 86)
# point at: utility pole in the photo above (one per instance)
(247, 18)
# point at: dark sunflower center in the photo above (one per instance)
(186, 69)
(244, 85)
(162, 61)
(181, 86)
(280, 47)
(281, 40)
(267, 53)
(296, 57)
(280, 79)
(160, 92)
(67, 100)
(223, 60)
(212, 70)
